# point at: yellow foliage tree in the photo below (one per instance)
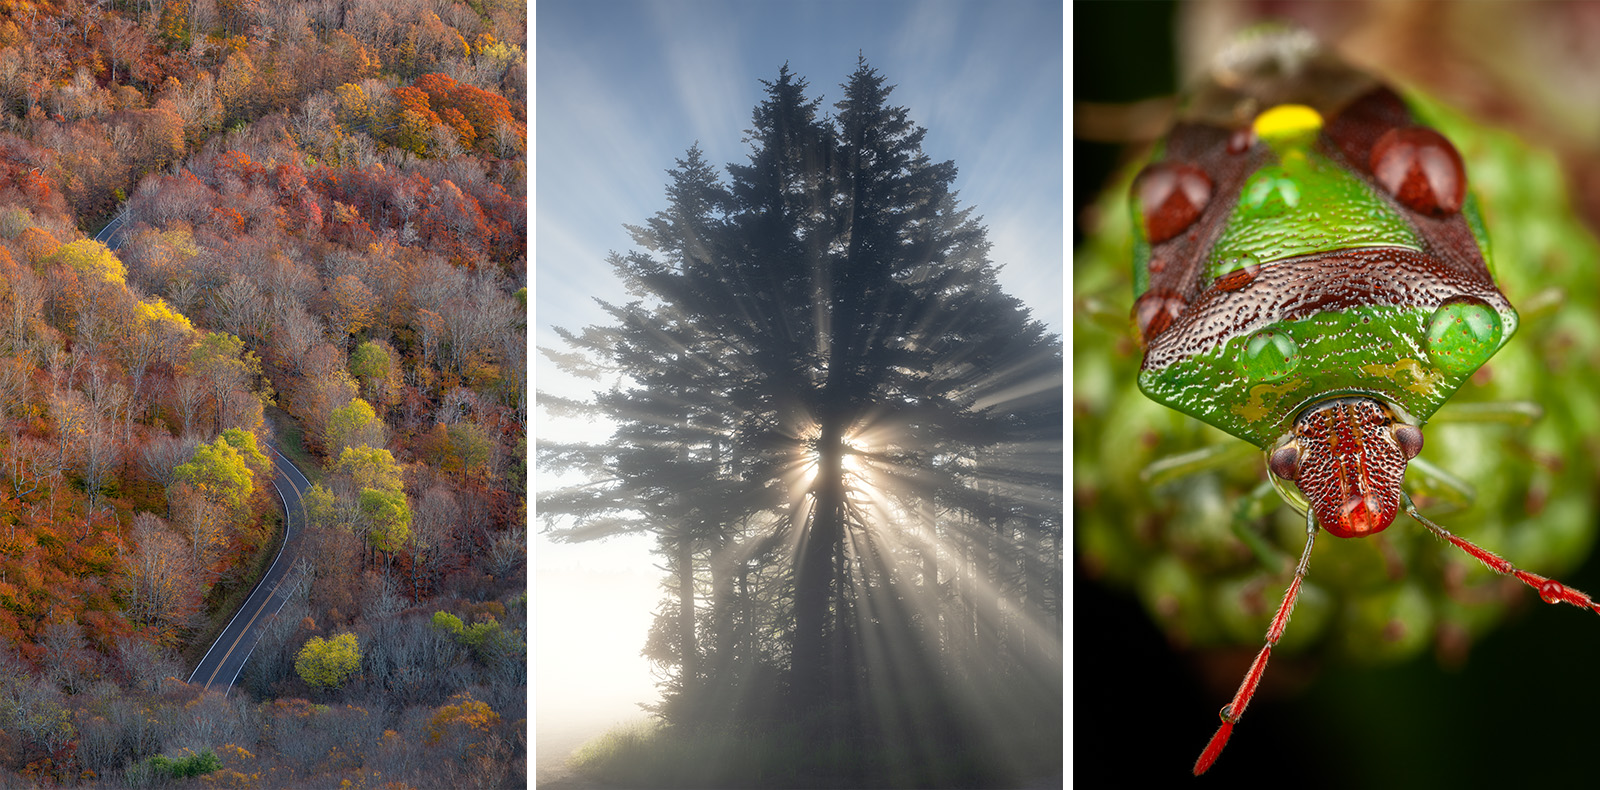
(91, 257)
(353, 110)
(328, 663)
(156, 312)
(236, 85)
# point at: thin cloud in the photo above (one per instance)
(713, 87)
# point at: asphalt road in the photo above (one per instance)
(220, 667)
(111, 234)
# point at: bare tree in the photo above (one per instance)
(160, 587)
(240, 308)
(190, 393)
(125, 41)
(161, 455)
(507, 552)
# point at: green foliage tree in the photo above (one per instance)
(351, 425)
(174, 25)
(221, 472)
(244, 443)
(320, 506)
(370, 467)
(470, 443)
(226, 367)
(376, 366)
(388, 516)
(187, 766)
(448, 623)
(488, 640)
(328, 663)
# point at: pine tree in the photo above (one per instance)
(823, 330)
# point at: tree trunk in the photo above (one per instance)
(814, 578)
(722, 601)
(928, 589)
(986, 598)
(689, 653)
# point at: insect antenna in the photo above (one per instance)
(1550, 590)
(1231, 712)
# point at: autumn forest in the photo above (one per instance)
(259, 257)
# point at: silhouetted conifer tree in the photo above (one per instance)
(828, 411)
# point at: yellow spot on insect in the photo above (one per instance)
(1265, 398)
(1287, 121)
(1409, 373)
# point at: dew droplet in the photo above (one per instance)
(1421, 169)
(1155, 310)
(1241, 140)
(1265, 188)
(1462, 334)
(1238, 271)
(1171, 196)
(1269, 355)
(1552, 591)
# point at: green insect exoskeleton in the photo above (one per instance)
(1312, 274)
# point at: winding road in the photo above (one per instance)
(220, 667)
(110, 233)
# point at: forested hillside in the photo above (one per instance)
(320, 248)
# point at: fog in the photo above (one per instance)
(594, 606)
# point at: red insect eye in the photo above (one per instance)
(1285, 462)
(1421, 169)
(1409, 438)
(1171, 198)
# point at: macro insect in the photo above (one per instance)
(1313, 276)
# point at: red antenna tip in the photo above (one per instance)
(1214, 748)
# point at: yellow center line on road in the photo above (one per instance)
(263, 607)
(220, 662)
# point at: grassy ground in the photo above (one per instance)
(291, 442)
(649, 755)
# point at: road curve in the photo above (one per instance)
(222, 663)
(220, 667)
(110, 235)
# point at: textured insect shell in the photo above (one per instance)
(1302, 278)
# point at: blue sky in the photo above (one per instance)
(622, 89)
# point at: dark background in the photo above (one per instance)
(1523, 708)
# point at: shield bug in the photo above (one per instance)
(1313, 276)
